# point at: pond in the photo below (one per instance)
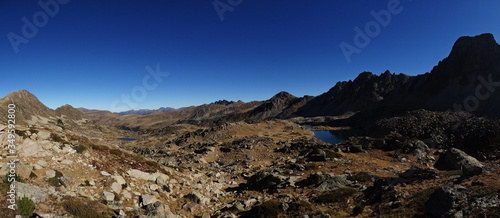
(334, 136)
(126, 139)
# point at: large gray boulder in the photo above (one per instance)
(333, 182)
(36, 194)
(265, 180)
(455, 159)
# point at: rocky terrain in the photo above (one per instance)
(412, 154)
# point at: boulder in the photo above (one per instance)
(445, 201)
(43, 135)
(265, 180)
(333, 183)
(316, 155)
(418, 174)
(50, 173)
(313, 179)
(455, 159)
(36, 194)
(162, 180)
(141, 175)
(116, 187)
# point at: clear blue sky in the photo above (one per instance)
(90, 53)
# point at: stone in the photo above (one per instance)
(42, 163)
(116, 187)
(43, 135)
(418, 174)
(134, 173)
(162, 180)
(148, 199)
(238, 206)
(50, 173)
(104, 173)
(36, 194)
(157, 209)
(67, 162)
(126, 194)
(198, 198)
(191, 207)
(68, 182)
(119, 179)
(37, 167)
(153, 187)
(23, 170)
(108, 196)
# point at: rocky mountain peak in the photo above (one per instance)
(27, 105)
(283, 95)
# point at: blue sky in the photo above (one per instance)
(92, 53)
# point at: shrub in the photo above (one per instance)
(26, 206)
(81, 148)
(335, 196)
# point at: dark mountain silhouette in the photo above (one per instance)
(454, 84)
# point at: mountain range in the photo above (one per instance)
(466, 80)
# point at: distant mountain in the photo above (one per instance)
(29, 110)
(147, 111)
(282, 105)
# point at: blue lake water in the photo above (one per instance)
(125, 139)
(334, 136)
